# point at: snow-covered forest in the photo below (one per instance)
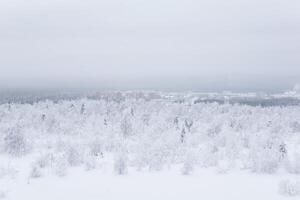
(149, 100)
(127, 132)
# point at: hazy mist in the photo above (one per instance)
(203, 45)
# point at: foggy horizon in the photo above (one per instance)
(160, 45)
(169, 84)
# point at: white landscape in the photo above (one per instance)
(147, 145)
(149, 99)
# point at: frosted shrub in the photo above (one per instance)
(71, 153)
(224, 166)
(289, 187)
(120, 163)
(60, 164)
(189, 162)
(44, 160)
(73, 156)
(96, 148)
(208, 155)
(35, 172)
(293, 163)
(126, 127)
(265, 162)
(155, 157)
(90, 163)
(15, 143)
(60, 169)
(295, 126)
(214, 130)
(188, 167)
(265, 154)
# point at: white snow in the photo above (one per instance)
(168, 183)
(137, 146)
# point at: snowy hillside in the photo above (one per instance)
(149, 139)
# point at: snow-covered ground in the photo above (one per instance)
(170, 183)
(136, 146)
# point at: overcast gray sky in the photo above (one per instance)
(158, 44)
